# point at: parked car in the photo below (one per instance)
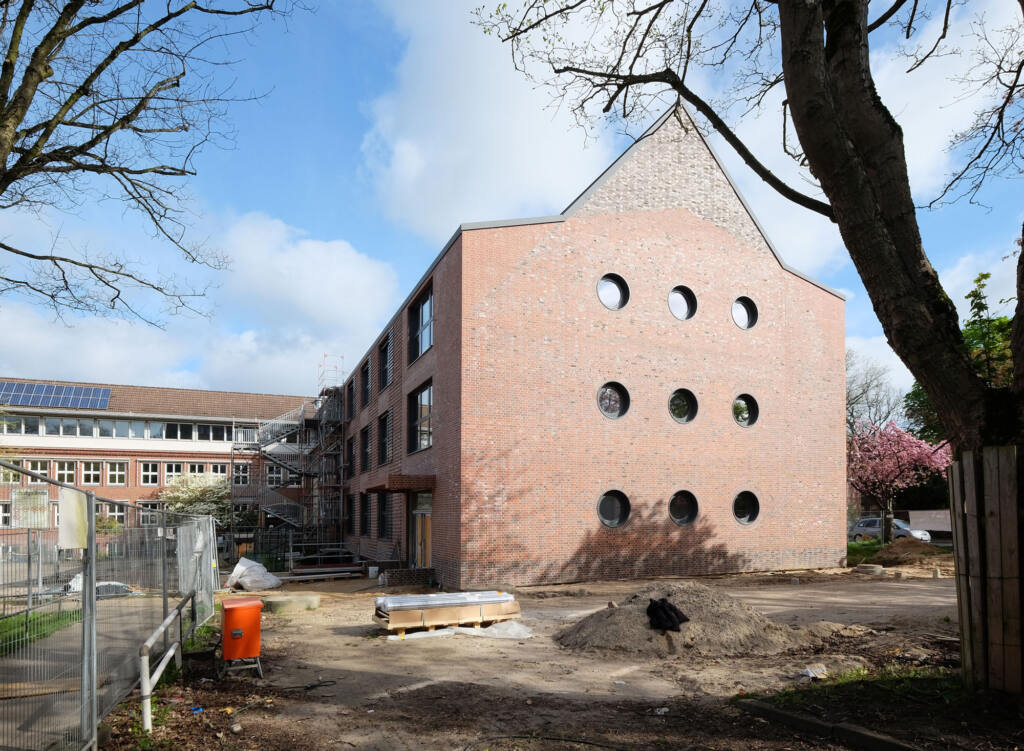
(869, 527)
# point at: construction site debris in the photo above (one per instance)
(441, 600)
(719, 626)
(251, 576)
(500, 630)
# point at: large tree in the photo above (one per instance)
(727, 58)
(870, 397)
(111, 99)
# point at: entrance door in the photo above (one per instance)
(419, 530)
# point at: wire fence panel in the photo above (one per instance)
(48, 622)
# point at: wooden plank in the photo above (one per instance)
(40, 688)
(1010, 480)
(973, 499)
(961, 571)
(993, 581)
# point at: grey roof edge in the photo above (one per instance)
(612, 168)
(60, 382)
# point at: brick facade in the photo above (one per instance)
(521, 453)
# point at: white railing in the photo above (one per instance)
(282, 425)
(147, 679)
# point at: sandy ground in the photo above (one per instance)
(451, 692)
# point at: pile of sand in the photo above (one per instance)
(719, 626)
(907, 551)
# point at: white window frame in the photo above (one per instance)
(5, 514)
(9, 476)
(192, 468)
(143, 473)
(219, 469)
(117, 512)
(41, 466)
(54, 514)
(275, 475)
(170, 474)
(65, 472)
(146, 516)
(92, 473)
(117, 473)
(241, 472)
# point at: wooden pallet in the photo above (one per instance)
(476, 615)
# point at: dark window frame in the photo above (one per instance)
(417, 420)
(385, 438)
(383, 516)
(350, 514)
(421, 323)
(350, 458)
(364, 514)
(386, 360)
(365, 383)
(365, 454)
(350, 399)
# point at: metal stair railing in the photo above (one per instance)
(281, 426)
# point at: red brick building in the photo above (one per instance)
(127, 443)
(637, 386)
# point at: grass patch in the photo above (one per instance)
(862, 552)
(17, 631)
(894, 681)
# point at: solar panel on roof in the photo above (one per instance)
(21, 394)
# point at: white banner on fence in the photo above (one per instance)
(73, 531)
(30, 508)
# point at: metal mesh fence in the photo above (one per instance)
(49, 693)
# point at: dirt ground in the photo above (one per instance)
(368, 692)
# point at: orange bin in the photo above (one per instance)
(240, 632)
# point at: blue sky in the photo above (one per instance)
(387, 124)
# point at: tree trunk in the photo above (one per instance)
(987, 514)
(885, 523)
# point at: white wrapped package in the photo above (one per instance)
(252, 576)
(442, 600)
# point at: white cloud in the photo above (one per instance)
(958, 280)
(465, 137)
(877, 349)
(299, 298)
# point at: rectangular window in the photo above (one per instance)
(365, 383)
(9, 476)
(116, 512)
(350, 395)
(172, 471)
(150, 473)
(420, 403)
(384, 516)
(350, 458)
(421, 324)
(275, 475)
(196, 469)
(171, 430)
(54, 514)
(92, 473)
(364, 449)
(185, 431)
(52, 425)
(241, 476)
(219, 469)
(203, 432)
(294, 479)
(137, 429)
(31, 425)
(217, 432)
(12, 425)
(121, 429)
(87, 427)
(384, 428)
(385, 361)
(156, 429)
(364, 514)
(5, 514)
(66, 472)
(147, 514)
(69, 426)
(106, 428)
(350, 514)
(42, 466)
(117, 473)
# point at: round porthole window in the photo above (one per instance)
(613, 292)
(744, 312)
(682, 509)
(682, 303)
(745, 410)
(613, 508)
(746, 507)
(613, 400)
(682, 405)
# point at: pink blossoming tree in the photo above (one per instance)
(883, 459)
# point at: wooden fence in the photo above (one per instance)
(988, 533)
